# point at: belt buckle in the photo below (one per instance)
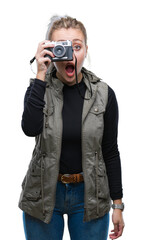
(64, 175)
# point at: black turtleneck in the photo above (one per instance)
(71, 158)
(70, 161)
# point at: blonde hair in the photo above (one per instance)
(58, 22)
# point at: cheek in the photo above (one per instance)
(80, 61)
(57, 66)
(80, 56)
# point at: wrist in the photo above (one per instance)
(117, 210)
(118, 206)
(41, 76)
(117, 201)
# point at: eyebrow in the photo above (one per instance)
(74, 40)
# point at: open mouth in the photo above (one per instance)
(70, 69)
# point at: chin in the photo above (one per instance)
(70, 82)
(70, 79)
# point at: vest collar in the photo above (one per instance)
(88, 77)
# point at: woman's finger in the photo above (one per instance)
(46, 52)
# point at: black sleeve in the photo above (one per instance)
(32, 118)
(110, 147)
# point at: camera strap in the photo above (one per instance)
(91, 93)
(31, 61)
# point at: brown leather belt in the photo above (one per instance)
(71, 178)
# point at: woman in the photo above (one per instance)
(75, 167)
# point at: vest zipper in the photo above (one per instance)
(42, 185)
(97, 187)
(46, 121)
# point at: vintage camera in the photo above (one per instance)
(62, 51)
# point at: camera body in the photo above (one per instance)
(62, 51)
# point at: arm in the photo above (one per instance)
(32, 118)
(112, 160)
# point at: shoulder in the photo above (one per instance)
(108, 92)
(112, 104)
(111, 92)
(111, 96)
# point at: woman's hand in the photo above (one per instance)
(118, 222)
(43, 62)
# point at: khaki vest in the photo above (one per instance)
(39, 185)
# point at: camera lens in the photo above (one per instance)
(59, 51)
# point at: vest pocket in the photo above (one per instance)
(101, 179)
(97, 109)
(33, 196)
(32, 187)
(103, 187)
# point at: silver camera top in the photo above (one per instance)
(63, 43)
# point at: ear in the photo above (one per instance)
(86, 51)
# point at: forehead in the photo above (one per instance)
(67, 34)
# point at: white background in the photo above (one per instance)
(115, 42)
